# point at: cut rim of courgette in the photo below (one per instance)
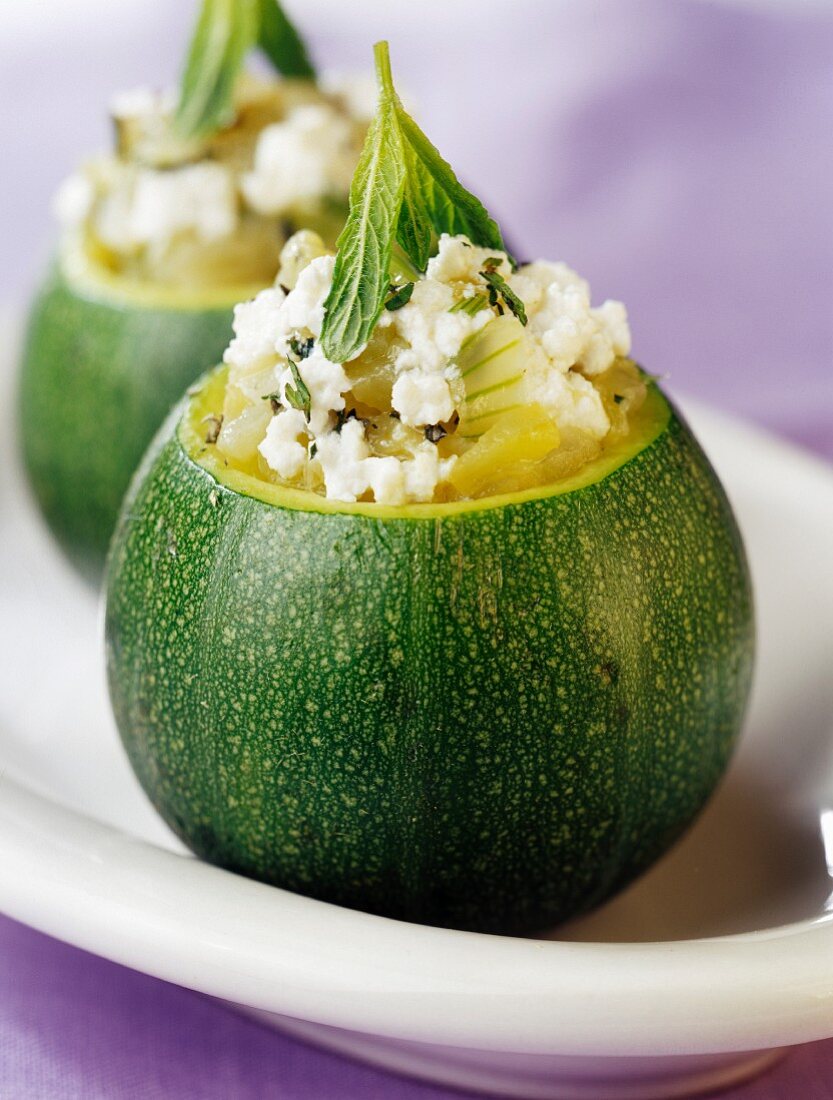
(206, 399)
(91, 279)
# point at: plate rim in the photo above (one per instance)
(122, 897)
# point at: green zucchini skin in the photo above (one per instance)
(488, 721)
(97, 379)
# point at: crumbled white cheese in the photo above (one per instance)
(307, 156)
(350, 470)
(254, 329)
(282, 447)
(386, 479)
(111, 219)
(421, 398)
(570, 331)
(425, 471)
(565, 342)
(199, 197)
(613, 317)
(303, 310)
(457, 260)
(394, 481)
(432, 335)
(269, 322)
(571, 399)
(159, 205)
(342, 456)
(131, 207)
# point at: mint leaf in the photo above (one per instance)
(402, 190)
(281, 42)
(226, 30)
(360, 279)
(435, 198)
(415, 230)
(451, 208)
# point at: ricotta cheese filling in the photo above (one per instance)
(290, 150)
(446, 383)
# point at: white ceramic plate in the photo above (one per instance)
(691, 978)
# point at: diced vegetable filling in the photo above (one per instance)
(215, 211)
(477, 379)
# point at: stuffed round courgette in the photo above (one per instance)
(428, 602)
(186, 216)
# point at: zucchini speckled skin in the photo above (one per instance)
(98, 376)
(489, 718)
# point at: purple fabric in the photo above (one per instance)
(75, 1027)
(679, 155)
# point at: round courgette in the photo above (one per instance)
(490, 714)
(104, 360)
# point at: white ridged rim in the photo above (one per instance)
(169, 915)
(201, 927)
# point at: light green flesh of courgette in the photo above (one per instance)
(206, 402)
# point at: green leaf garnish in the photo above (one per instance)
(226, 30)
(299, 396)
(414, 230)
(449, 206)
(281, 42)
(360, 278)
(400, 296)
(499, 287)
(402, 190)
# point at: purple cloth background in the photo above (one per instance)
(74, 1027)
(678, 154)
